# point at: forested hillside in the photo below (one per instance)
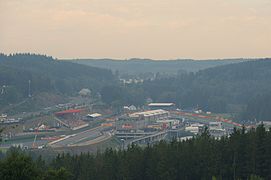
(216, 88)
(244, 88)
(141, 66)
(46, 75)
(241, 156)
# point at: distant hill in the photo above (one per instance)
(47, 75)
(243, 88)
(140, 66)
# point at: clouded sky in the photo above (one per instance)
(159, 29)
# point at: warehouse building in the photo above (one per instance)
(141, 120)
(164, 106)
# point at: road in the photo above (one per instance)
(82, 138)
(105, 136)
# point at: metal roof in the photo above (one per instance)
(94, 115)
(161, 104)
(148, 113)
(70, 111)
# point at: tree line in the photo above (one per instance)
(243, 155)
(46, 75)
(242, 88)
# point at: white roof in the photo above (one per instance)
(161, 104)
(196, 125)
(166, 121)
(215, 123)
(148, 113)
(94, 115)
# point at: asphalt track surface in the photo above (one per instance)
(79, 138)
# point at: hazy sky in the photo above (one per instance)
(159, 29)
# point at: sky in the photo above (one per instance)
(123, 29)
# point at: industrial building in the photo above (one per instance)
(150, 115)
(164, 106)
(216, 129)
(69, 114)
(94, 116)
(195, 128)
(71, 118)
(141, 120)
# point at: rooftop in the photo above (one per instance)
(161, 104)
(94, 115)
(148, 113)
(70, 111)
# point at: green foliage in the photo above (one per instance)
(242, 88)
(229, 86)
(241, 156)
(147, 67)
(236, 88)
(215, 88)
(60, 174)
(119, 96)
(259, 108)
(18, 166)
(46, 75)
(254, 177)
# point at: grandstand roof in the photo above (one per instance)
(70, 111)
(161, 104)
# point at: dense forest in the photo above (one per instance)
(46, 75)
(146, 67)
(243, 88)
(243, 155)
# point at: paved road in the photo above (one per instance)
(79, 138)
(105, 136)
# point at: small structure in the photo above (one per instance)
(195, 128)
(198, 111)
(85, 92)
(164, 106)
(141, 120)
(215, 125)
(216, 129)
(149, 100)
(155, 115)
(68, 112)
(267, 124)
(93, 116)
(129, 108)
(71, 118)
